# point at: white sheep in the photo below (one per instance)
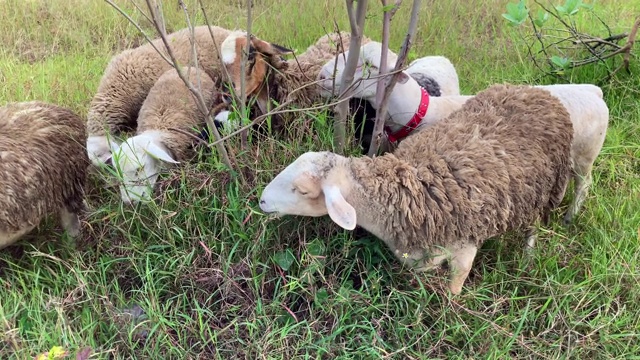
(130, 75)
(589, 113)
(169, 104)
(499, 163)
(435, 76)
(43, 163)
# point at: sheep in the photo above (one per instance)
(589, 112)
(43, 164)
(130, 75)
(432, 75)
(499, 163)
(299, 74)
(301, 71)
(169, 105)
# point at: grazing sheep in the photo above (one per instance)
(169, 105)
(302, 71)
(429, 76)
(131, 74)
(584, 102)
(299, 73)
(43, 163)
(499, 163)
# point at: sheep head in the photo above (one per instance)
(365, 78)
(139, 161)
(262, 54)
(315, 184)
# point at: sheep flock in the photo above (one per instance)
(458, 168)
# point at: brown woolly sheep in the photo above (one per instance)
(170, 104)
(302, 70)
(131, 74)
(43, 163)
(501, 162)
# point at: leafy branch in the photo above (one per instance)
(565, 47)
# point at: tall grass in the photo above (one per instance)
(195, 275)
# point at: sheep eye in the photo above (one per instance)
(301, 192)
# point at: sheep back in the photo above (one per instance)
(43, 163)
(170, 104)
(499, 163)
(130, 75)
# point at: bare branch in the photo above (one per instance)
(243, 89)
(225, 73)
(376, 137)
(200, 102)
(357, 25)
(381, 85)
(134, 23)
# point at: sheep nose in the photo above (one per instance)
(262, 202)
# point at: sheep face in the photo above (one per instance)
(310, 186)
(261, 54)
(139, 161)
(366, 76)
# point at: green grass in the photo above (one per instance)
(200, 263)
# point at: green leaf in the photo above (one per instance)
(562, 62)
(542, 18)
(316, 248)
(572, 6)
(322, 295)
(284, 259)
(388, 7)
(516, 13)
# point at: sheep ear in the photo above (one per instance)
(340, 211)
(109, 161)
(160, 154)
(403, 77)
(269, 48)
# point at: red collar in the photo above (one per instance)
(414, 122)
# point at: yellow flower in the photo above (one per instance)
(56, 352)
(405, 255)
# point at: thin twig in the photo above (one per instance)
(356, 21)
(134, 23)
(243, 78)
(201, 103)
(380, 86)
(376, 137)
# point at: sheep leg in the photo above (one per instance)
(460, 265)
(532, 237)
(582, 184)
(70, 222)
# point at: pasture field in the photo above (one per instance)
(201, 273)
